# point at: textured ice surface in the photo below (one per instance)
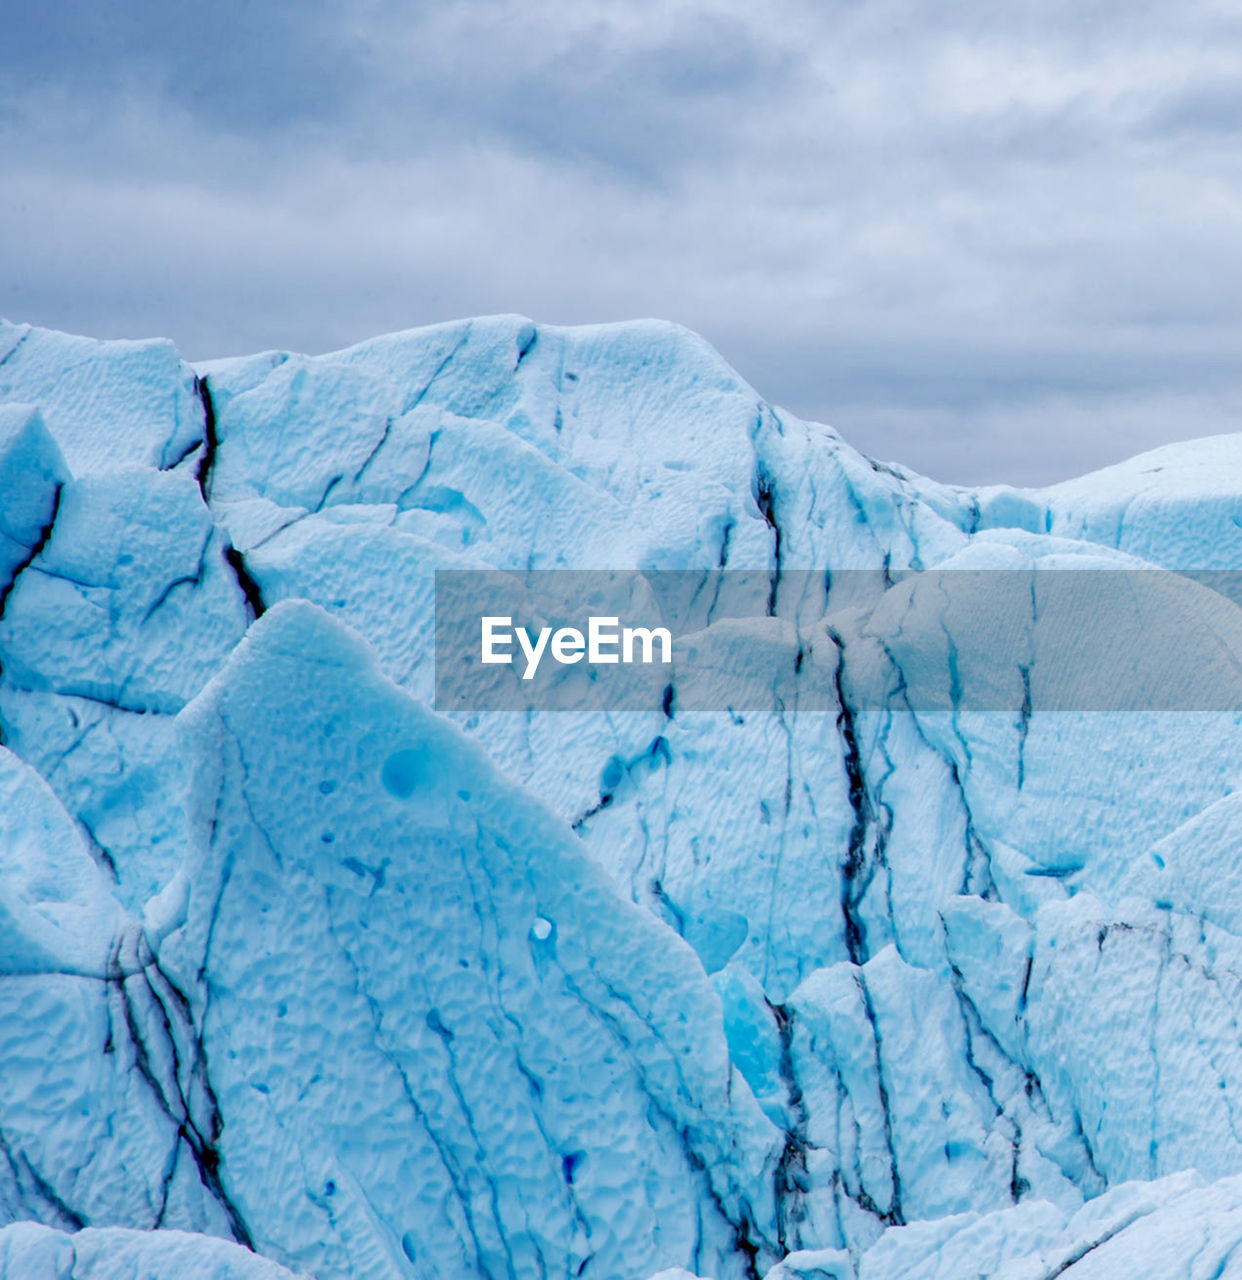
(29, 1251)
(519, 1071)
(1175, 1229)
(295, 973)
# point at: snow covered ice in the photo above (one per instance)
(299, 977)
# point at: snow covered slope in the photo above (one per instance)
(298, 976)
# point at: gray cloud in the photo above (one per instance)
(995, 242)
(232, 64)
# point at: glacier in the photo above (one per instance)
(301, 977)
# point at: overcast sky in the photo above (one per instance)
(992, 241)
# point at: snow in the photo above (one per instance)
(923, 962)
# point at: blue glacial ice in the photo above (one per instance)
(301, 978)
